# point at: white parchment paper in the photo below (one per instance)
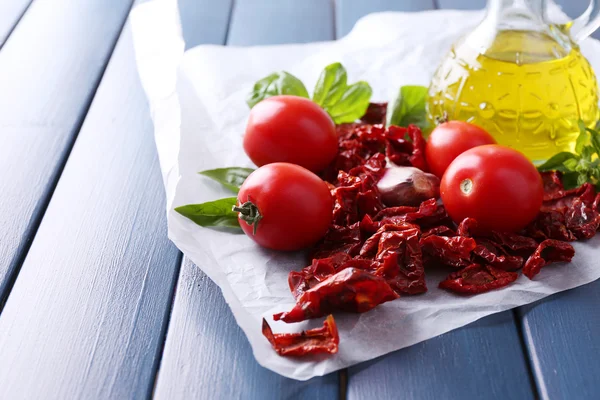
(199, 111)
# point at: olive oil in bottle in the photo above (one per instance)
(525, 90)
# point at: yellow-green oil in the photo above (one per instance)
(526, 90)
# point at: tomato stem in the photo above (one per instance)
(443, 119)
(249, 213)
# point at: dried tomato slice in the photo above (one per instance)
(477, 278)
(582, 220)
(553, 185)
(549, 225)
(351, 290)
(486, 252)
(402, 261)
(375, 113)
(339, 239)
(441, 230)
(547, 252)
(453, 251)
(313, 341)
(466, 227)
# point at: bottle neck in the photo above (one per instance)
(516, 14)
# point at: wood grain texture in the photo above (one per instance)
(283, 21)
(10, 14)
(49, 70)
(207, 355)
(562, 335)
(347, 12)
(462, 4)
(87, 315)
(204, 21)
(483, 360)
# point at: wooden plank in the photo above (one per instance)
(207, 355)
(462, 4)
(88, 314)
(449, 366)
(202, 331)
(204, 21)
(282, 21)
(10, 14)
(562, 334)
(49, 70)
(349, 11)
(482, 360)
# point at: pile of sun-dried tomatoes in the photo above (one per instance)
(374, 254)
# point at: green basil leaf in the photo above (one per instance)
(331, 85)
(595, 139)
(582, 139)
(212, 213)
(556, 161)
(597, 127)
(275, 84)
(569, 180)
(587, 152)
(232, 178)
(581, 179)
(571, 163)
(353, 103)
(409, 107)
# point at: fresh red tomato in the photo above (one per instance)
(290, 129)
(283, 206)
(449, 140)
(496, 185)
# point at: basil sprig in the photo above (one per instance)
(232, 177)
(212, 213)
(218, 212)
(409, 107)
(581, 166)
(343, 102)
(275, 84)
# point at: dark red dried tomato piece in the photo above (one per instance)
(402, 261)
(319, 270)
(476, 279)
(453, 251)
(552, 184)
(582, 220)
(313, 341)
(547, 252)
(441, 230)
(339, 239)
(487, 253)
(513, 242)
(561, 200)
(350, 290)
(375, 113)
(466, 227)
(371, 245)
(549, 225)
(417, 158)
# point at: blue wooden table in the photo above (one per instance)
(95, 301)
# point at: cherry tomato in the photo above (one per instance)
(283, 206)
(290, 129)
(496, 185)
(449, 140)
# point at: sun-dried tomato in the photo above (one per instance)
(313, 341)
(339, 239)
(441, 230)
(466, 227)
(402, 261)
(487, 253)
(453, 251)
(563, 199)
(549, 225)
(350, 290)
(477, 278)
(371, 245)
(375, 114)
(547, 252)
(582, 220)
(319, 270)
(552, 184)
